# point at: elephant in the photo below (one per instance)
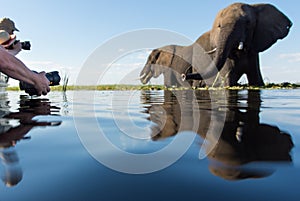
(243, 138)
(173, 60)
(164, 61)
(239, 33)
(220, 56)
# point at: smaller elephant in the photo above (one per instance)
(166, 61)
(173, 60)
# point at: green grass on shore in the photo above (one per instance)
(284, 85)
(99, 87)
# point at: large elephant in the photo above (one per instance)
(230, 49)
(240, 31)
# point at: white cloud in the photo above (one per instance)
(121, 50)
(124, 70)
(48, 66)
(291, 57)
(38, 62)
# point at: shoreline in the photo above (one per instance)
(112, 87)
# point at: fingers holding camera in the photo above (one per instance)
(16, 47)
(41, 84)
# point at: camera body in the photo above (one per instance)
(26, 45)
(53, 78)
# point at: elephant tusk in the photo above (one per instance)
(142, 76)
(211, 51)
(241, 46)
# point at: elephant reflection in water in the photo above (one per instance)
(243, 138)
(167, 116)
(10, 134)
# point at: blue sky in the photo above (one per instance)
(64, 33)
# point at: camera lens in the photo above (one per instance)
(53, 78)
(26, 45)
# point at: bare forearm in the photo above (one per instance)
(15, 68)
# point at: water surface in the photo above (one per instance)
(197, 145)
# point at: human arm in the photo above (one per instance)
(15, 68)
(16, 48)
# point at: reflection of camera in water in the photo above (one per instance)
(53, 78)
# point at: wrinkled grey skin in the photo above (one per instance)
(173, 60)
(166, 61)
(239, 33)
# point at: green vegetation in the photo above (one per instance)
(109, 87)
(65, 81)
(116, 87)
(284, 85)
(13, 88)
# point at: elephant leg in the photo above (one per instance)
(170, 79)
(174, 82)
(233, 79)
(167, 78)
(235, 74)
(253, 71)
(195, 83)
(189, 83)
(231, 73)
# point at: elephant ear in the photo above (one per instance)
(271, 25)
(153, 56)
(166, 56)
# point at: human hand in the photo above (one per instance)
(41, 83)
(16, 48)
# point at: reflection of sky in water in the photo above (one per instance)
(281, 108)
(56, 157)
(121, 118)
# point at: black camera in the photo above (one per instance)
(53, 78)
(26, 45)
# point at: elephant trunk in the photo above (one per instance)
(224, 45)
(223, 49)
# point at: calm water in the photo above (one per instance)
(151, 145)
